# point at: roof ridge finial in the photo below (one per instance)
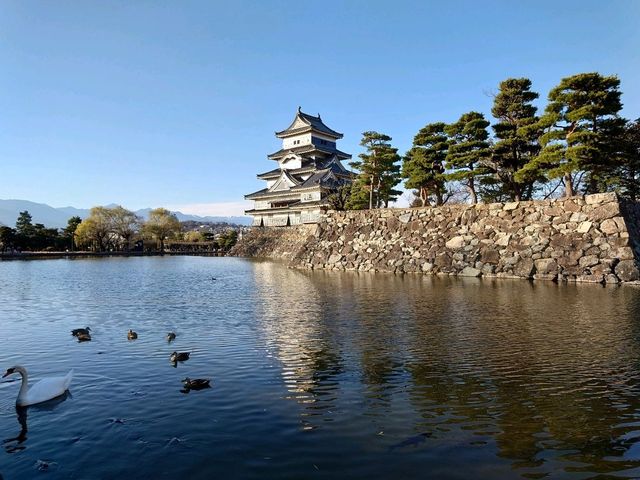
(299, 109)
(319, 116)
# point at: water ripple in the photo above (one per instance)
(317, 374)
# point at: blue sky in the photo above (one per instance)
(174, 103)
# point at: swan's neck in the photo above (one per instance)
(24, 387)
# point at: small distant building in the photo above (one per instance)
(309, 170)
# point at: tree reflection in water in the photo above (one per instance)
(545, 375)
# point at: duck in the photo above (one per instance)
(171, 336)
(179, 356)
(83, 337)
(78, 331)
(196, 383)
(42, 391)
(131, 335)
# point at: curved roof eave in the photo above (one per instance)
(311, 123)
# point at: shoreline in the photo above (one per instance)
(87, 254)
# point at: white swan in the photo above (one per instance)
(44, 390)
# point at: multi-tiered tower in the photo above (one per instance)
(309, 170)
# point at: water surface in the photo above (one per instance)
(317, 374)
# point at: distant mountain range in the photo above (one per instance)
(57, 217)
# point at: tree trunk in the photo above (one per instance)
(472, 191)
(423, 196)
(568, 185)
(371, 193)
(517, 194)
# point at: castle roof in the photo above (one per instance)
(303, 122)
(329, 177)
(309, 166)
(306, 150)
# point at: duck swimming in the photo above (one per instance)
(171, 336)
(42, 391)
(131, 335)
(83, 337)
(179, 356)
(196, 383)
(77, 331)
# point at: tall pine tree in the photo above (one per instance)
(628, 174)
(24, 226)
(423, 165)
(516, 134)
(468, 149)
(579, 123)
(379, 172)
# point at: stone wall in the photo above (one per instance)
(595, 238)
(278, 243)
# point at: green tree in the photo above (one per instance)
(162, 224)
(24, 230)
(628, 172)
(468, 149)
(44, 238)
(359, 194)
(23, 223)
(193, 236)
(630, 168)
(339, 199)
(68, 233)
(423, 164)
(387, 193)
(379, 171)
(7, 238)
(517, 133)
(228, 239)
(579, 124)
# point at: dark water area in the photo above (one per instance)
(316, 374)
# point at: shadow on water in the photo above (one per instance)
(15, 444)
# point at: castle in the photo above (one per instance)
(309, 170)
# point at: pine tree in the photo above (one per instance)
(628, 175)
(468, 149)
(517, 133)
(70, 230)
(579, 123)
(359, 194)
(338, 200)
(423, 165)
(389, 179)
(24, 230)
(379, 172)
(24, 227)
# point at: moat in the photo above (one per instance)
(317, 374)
